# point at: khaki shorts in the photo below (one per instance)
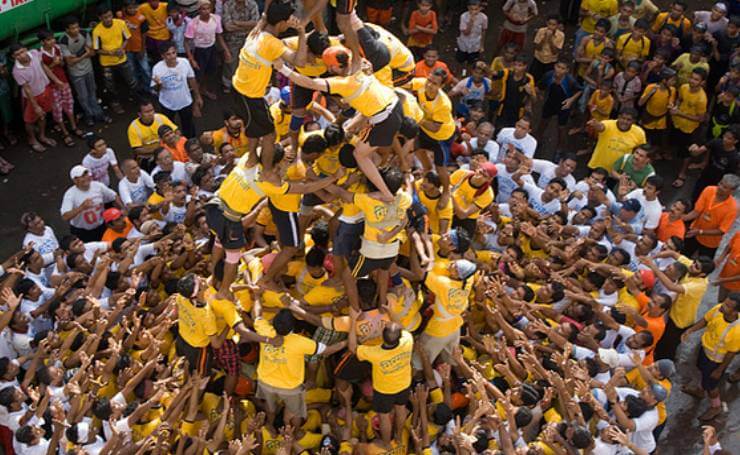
(294, 399)
(437, 346)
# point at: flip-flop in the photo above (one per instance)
(38, 148)
(49, 141)
(68, 141)
(679, 182)
(79, 133)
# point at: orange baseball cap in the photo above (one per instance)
(331, 54)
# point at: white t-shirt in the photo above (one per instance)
(174, 92)
(92, 217)
(45, 243)
(176, 214)
(705, 17)
(471, 42)
(642, 437)
(136, 192)
(527, 144)
(491, 148)
(651, 210)
(99, 166)
(178, 173)
(505, 183)
(546, 170)
(535, 200)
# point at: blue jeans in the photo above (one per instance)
(142, 70)
(86, 91)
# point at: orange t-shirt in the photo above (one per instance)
(713, 215)
(136, 42)
(732, 265)
(178, 151)
(422, 39)
(655, 325)
(667, 228)
(110, 235)
(422, 70)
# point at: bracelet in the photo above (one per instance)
(285, 71)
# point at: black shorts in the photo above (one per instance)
(401, 78)
(289, 234)
(382, 134)
(199, 359)
(384, 403)
(362, 266)
(563, 115)
(345, 6)
(682, 141)
(466, 57)
(707, 367)
(230, 233)
(349, 368)
(300, 97)
(441, 149)
(376, 52)
(256, 115)
(348, 238)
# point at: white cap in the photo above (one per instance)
(721, 6)
(609, 357)
(78, 171)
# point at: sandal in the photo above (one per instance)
(49, 141)
(68, 141)
(38, 148)
(79, 133)
(678, 183)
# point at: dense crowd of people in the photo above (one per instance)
(379, 252)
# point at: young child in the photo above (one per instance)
(430, 62)
(687, 115)
(177, 22)
(422, 28)
(687, 61)
(51, 56)
(655, 102)
(725, 112)
(651, 69)
(561, 92)
(592, 45)
(548, 42)
(471, 40)
(517, 15)
(378, 12)
(623, 21)
(135, 49)
(627, 85)
(600, 106)
(99, 159)
(517, 95)
(474, 88)
(500, 63)
(601, 68)
(634, 45)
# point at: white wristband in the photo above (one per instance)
(285, 71)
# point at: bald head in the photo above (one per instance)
(391, 334)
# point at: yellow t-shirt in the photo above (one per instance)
(411, 106)
(350, 212)
(323, 295)
(282, 366)
(195, 324)
(629, 49)
(391, 370)
(434, 214)
(437, 110)
(156, 19)
(382, 217)
(110, 39)
(657, 106)
(686, 67)
(451, 300)
(140, 135)
(239, 190)
(465, 194)
(720, 337)
(602, 103)
(225, 311)
(604, 8)
(240, 144)
(253, 74)
(613, 144)
(405, 306)
(280, 198)
(402, 59)
(304, 281)
(281, 120)
(691, 103)
(683, 310)
(362, 92)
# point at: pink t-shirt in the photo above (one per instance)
(33, 74)
(203, 33)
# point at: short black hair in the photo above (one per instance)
(284, 322)
(279, 11)
(44, 34)
(393, 178)
(186, 285)
(315, 143)
(315, 257)
(317, 42)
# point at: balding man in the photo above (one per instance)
(136, 186)
(391, 367)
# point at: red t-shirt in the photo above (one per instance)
(48, 58)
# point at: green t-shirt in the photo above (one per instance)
(624, 165)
